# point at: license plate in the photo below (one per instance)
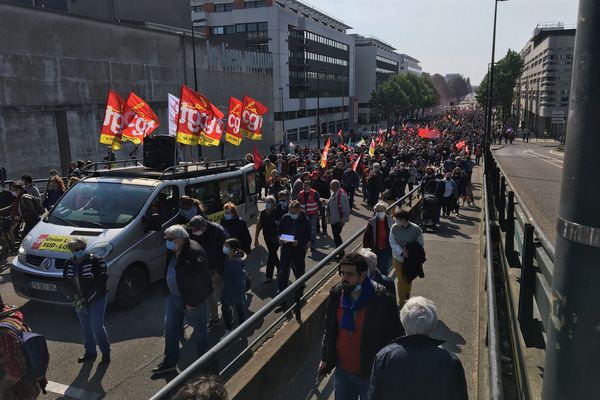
(48, 287)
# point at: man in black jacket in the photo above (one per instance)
(188, 280)
(361, 318)
(414, 367)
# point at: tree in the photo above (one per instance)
(458, 87)
(506, 73)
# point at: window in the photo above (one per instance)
(254, 4)
(230, 190)
(217, 30)
(230, 29)
(263, 26)
(196, 9)
(208, 194)
(240, 28)
(165, 204)
(251, 182)
(223, 7)
(251, 27)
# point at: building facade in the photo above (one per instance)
(410, 65)
(542, 93)
(313, 60)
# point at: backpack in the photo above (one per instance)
(37, 204)
(35, 350)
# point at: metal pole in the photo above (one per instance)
(572, 364)
(488, 123)
(318, 111)
(195, 74)
(283, 120)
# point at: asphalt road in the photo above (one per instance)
(136, 334)
(535, 170)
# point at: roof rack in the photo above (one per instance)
(202, 166)
(108, 164)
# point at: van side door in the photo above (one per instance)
(251, 189)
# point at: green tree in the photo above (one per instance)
(506, 73)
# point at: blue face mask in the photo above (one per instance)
(171, 245)
(268, 206)
(225, 250)
(79, 254)
(283, 204)
(228, 217)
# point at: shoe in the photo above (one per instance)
(213, 323)
(163, 368)
(268, 281)
(105, 359)
(86, 358)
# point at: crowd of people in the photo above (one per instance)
(373, 327)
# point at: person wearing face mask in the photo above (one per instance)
(211, 237)
(403, 233)
(189, 208)
(294, 225)
(310, 201)
(450, 194)
(235, 226)
(338, 210)
(360, 319)
(276, 186)
(377, 235)
(55, 190)
(234, 284)
(267, 222)
(85, 277)
(189, 284)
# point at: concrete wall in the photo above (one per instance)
(56, 69)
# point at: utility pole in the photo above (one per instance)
(195, 74)
(572, 365)
(318, 111)
(284, 140)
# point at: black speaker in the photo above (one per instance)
(159, 151)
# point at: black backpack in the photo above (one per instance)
(35, 350)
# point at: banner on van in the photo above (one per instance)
(252, 118)
(113, 118)
(52, 243)
(234, 119)
(143, 120)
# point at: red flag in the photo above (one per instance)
(195, 113)
(340, 134)
(113, 118)
(143, 120)
(213, 130)
(234, 117)
(355, 165)
(343, 147)
(257, 158)
(429, 133)
(460, 145)
(252, 118)
(325, 152)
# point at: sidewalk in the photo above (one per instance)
(452, 281)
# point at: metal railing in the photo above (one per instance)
(206, 361)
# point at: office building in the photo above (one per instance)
(313, 60)
(542, 99)
(410, 65)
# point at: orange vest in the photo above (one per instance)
(310, 205)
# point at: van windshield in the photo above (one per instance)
(100, 205)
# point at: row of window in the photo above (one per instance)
(311, 131)
(384, 71)
(256, 29)
(312, 112)
(326, 59)
(386, 60)
(301, 93)
(295, 11)
(326, 41)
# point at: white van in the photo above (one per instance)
(122, 213)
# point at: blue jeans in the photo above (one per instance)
(350, 386)
(384, 260)
(313, 229)
(197, 318)
(92, 327)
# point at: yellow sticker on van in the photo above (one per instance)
(52, 243)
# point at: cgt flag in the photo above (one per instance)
(173, 111)
(252, 118)
(213, 129)
(355, 164)
(234, 119)
(372, 148)
(112, 127)
(195, 113)
(143, 120)
(257, 158)
(460, 145)
(325, 153)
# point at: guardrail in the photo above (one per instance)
(207, 361)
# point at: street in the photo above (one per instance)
(136, 333)
(535, 169)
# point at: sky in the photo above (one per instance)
(450, 36)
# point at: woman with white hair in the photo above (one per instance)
(415, 366)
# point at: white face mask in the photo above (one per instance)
(380, 214)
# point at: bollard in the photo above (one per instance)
(502, 201)
(509, 243)
(527, 284)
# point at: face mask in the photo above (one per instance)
(198, 233)
(13, 193)
(228, 217)
(188, 214)
(79, 254)
(171, 245)
(283, 203)
(294, 216)
(268, 206)
(226, 250)
(380, 214)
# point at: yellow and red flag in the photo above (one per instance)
(372, 148)
(252, 118)
(195, 113)
(234, 119)
(257, 158)
(355, 164)
(213, 129)
(142, 122)
(113, 118)
(325, 153)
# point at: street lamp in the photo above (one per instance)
(318, 110)
(195, 74)
(488, 124)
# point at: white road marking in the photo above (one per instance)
(561, 154)
(546, 159)
(71, 391)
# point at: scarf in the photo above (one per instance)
(350, 308)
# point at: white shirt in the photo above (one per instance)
(448, 188)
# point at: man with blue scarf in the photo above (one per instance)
(361, 319)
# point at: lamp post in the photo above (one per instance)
(283, 120)
(318, 110)
(488, 124)
(195, 74)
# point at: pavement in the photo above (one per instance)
(452, 281)
(136, 333)
(535, 170)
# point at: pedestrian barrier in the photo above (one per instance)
(522, 244)
(207, 362)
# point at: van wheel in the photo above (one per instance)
(132, 286)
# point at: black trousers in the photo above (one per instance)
(294, 259)
(448, 204)
(337, 232)
(273, 260)
(350, 190)
(227, 311)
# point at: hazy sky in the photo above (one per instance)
(450, 36)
